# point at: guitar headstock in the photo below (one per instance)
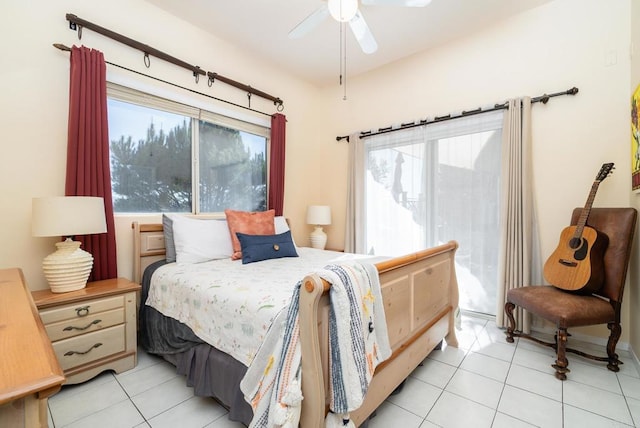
(604, 172)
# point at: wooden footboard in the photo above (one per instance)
(420, 295)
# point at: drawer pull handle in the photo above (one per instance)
(70, 353)
(83, 311)
(71, 327)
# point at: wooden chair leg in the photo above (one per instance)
(508, 308)
(561, 361)
(616, 331)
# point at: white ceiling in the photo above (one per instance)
(261, 27)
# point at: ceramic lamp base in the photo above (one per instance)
(68, 268)
(318, 238)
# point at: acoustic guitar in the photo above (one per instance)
(577, 264)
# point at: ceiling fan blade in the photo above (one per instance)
(310, 22)
(362, 34)
(405, 3)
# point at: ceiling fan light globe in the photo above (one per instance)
(343, 10)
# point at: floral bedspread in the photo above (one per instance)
(230, 305)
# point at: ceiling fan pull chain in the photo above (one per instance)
(344, 61)
(340, 53)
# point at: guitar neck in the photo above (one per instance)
(584, 215)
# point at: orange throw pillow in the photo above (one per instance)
(251, 223)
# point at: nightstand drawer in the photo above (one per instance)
(89, 347)
(76, 326)
(81, 310)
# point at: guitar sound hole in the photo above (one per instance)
(575, 243)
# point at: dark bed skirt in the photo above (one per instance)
(213, 373)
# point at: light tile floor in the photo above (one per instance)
(486, 382)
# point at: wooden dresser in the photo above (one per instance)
(29, 370)
(92, 329)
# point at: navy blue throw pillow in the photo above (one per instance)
(256, 248)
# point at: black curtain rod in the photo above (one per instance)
(68, 49)
(79, 24)
(541, 99)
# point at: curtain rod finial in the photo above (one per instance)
(62, 47)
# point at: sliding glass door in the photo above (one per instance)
(430, 184)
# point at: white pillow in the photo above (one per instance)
(281, 226)
(199, 241)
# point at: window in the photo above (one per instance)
(169, 157)
(427, 185)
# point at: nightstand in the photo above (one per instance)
(92, 329)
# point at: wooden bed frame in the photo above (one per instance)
(420, 294)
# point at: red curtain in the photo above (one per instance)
(88, 171)
(276, 163)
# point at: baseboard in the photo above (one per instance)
(635, 359)
(479, 315)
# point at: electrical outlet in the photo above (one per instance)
(610, 58)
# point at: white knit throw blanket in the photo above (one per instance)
(358, 343)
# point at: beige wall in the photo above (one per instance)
(565, 43)
(634, 275)
(34, 87)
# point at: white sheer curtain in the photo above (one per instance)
(426, 185)
(519, 263)
(394, 188)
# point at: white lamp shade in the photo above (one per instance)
(343, 10)
(69, 267)
(319, 214)
(68, 216)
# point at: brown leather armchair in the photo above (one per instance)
(567, 309)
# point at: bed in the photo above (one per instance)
(420, 298)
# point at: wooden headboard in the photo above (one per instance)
(148, 247)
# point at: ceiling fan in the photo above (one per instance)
(348, 11)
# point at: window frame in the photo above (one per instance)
(197, 113)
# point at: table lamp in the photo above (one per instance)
(68, 268)
(318, 215)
